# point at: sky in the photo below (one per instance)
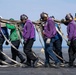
(33, 8)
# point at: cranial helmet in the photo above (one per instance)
(43, 15)
(11, 19)
(69, 17)
(23, 16)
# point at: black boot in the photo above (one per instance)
(35, 62)
(22, 61)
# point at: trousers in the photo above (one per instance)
(15, 52)
(28, 50)
(72, 52)
(49, 51)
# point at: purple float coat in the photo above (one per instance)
(71, 30)
(49, 28)
(28, 30)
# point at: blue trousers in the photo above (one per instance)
(58, 48)
(49, 52)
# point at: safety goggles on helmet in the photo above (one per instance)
(23, 16)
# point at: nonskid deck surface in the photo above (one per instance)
(5, 70)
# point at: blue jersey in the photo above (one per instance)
(57, 36)
(5, 31)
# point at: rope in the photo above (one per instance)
(53, 51)
(33, 51)
(12, 59)
(43, 49)
(61, 34)
(12, 44)
(16, 48)
(3, 62)
(17, 30)
(7, 55)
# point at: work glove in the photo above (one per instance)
(48, 41)
(42, 50)
(68, 42)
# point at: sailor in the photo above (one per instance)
(58, 40)
(49, 32)
(71, 31)
(5, 31)
(14, 38)
(28, 33)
